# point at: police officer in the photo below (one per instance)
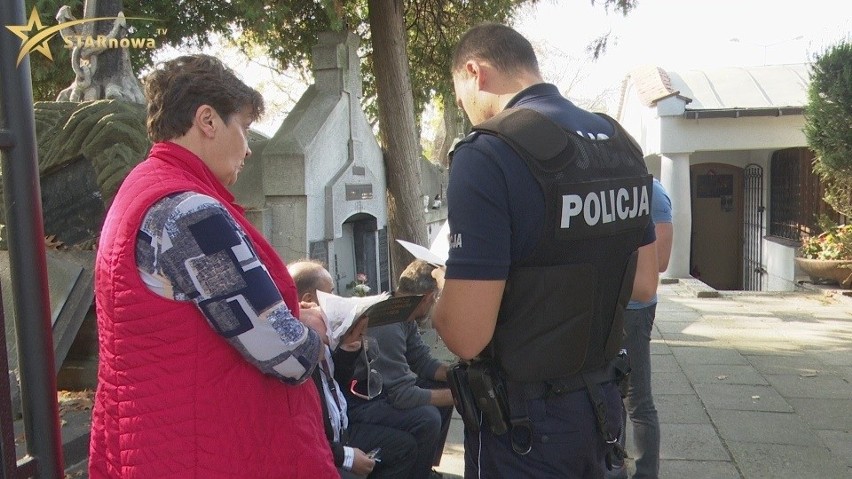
(549, 223)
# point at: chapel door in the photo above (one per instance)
(717, 225)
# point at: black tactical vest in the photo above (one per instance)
(562, 312)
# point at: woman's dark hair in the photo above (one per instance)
(176, 88)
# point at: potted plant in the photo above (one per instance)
(828, 255)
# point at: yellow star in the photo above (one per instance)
(35, 26)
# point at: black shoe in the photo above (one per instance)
(435, 475)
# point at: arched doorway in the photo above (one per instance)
(362, 248)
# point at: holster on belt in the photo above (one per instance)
(462, 396)
(479, 393)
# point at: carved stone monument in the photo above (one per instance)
(99, 72)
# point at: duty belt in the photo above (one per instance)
(520, 392)
(555, 387)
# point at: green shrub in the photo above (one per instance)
(828, 124)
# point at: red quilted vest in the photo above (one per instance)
(174, 399)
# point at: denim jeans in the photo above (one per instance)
(639, 402)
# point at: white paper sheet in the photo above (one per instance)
(441, 246)
(420, 252)
(340, 313)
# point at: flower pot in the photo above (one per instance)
(827, 270)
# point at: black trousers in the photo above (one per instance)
(429, 425)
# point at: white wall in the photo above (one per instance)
(780, 266)
(752, 133)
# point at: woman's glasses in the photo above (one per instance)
(374, 378)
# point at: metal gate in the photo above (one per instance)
(753, 270)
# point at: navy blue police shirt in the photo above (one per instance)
(495, 205)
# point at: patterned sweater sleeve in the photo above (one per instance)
(189, 248)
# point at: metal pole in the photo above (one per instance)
(28, 265)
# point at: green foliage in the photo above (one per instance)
(177, 22)
(288, 31)
(828, 117)
(434, 27)
(829, 110)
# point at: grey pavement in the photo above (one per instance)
(747, 385)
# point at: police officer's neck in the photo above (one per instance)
(506, 86)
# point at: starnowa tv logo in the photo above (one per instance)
(35, 35)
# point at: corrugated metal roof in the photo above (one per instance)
(758, 87)
(766, 88)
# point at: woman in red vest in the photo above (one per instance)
(203, 357)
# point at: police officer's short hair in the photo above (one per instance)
(417, 279)
(499, 45)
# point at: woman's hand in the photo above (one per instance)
(311, 315)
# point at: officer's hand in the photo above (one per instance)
(362, 465)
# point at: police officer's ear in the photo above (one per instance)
(473, 71)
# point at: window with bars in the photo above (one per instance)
(795, 195)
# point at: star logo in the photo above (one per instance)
(35, 35)
(38, 41)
